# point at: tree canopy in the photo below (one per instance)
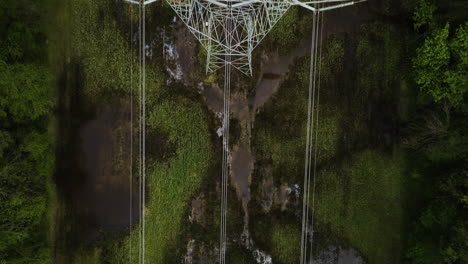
(26, 156)
(440, 64)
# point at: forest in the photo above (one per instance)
(410, 63)
(27, 102)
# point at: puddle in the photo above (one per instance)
(197, 211)
(96, 186)
(274, 70)
(338, 255)
(106, 163)
(242, 166)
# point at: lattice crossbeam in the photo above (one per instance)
(249, 21)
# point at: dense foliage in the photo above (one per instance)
(438, 137)
(26, 159)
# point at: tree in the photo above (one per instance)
(26, 155)
(423, 14)
(441, 233)
(441, 63)
(24, 91)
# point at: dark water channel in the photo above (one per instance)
(93, 166)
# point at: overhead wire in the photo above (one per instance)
(140, 135)
(311, 100)
(228, 128)
(320, 39)
(131, 135)
(144, 132)
(225, 156)
(311, 136)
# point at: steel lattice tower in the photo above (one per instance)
(249, 21)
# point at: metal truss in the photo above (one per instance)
(249, 21)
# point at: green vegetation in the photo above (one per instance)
(394, 200)
(379, 57)
(26, 144)
(175, 117)
(106, 67)
(360, 190)
(285, 243)
(172, 183)
(289, 30)
(437, 140)
(284, 149)
(361, 200)
(441, 65)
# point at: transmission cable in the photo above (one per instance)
(316, 133)
(131, 134)
(312, 127)
(140, 135)
(225, 157)
(311, 99)
(144, 132)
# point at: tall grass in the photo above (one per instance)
(172, 183)
(94, 40)
(360, 190)
(361, 202)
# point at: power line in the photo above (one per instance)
(140, 135)
(311, 138)
(144, 129)
(226, 121)
(131, 133)
(311, 100)
(316, 135)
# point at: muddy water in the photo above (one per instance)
(338, 255)
(274, 70)
(106, 192)
(242, 161)
(94, 175)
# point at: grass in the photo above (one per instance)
(360, 188)
(289, 30)
(101, 47)
(88, 31)
(171, 183)
(52, 208)
(284, 149)
(361, 201)
(84, 256)
(285, 240)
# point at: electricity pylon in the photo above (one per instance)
(242, 23)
